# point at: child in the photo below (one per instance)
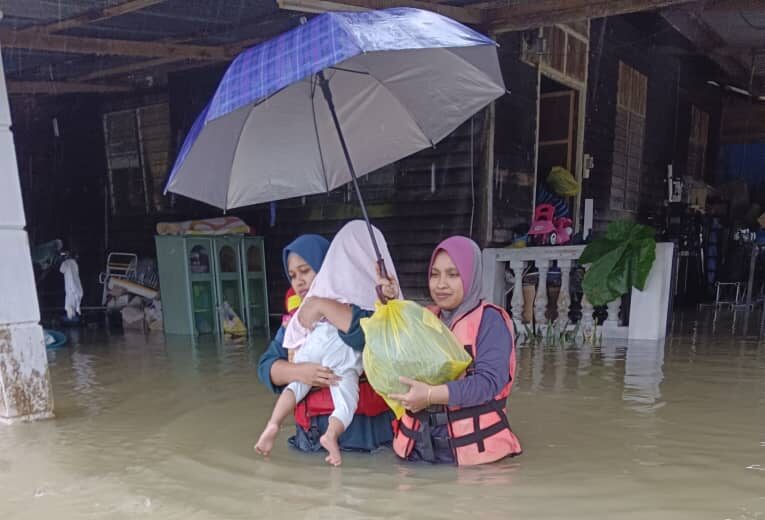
(348, 275)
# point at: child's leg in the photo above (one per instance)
(345, 397)
(293, 394)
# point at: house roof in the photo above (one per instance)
(57, 46)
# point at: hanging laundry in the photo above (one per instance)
(73, 287)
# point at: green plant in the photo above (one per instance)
(619, 261)
(553, 335)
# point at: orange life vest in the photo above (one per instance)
(477, 434)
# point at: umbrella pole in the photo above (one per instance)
(324, 84)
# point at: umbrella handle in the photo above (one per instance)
(324, 84)
(383, 299)
(384, 272)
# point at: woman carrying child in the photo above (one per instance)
(344, 294)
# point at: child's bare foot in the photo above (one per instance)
(266, 440)
(329, 442)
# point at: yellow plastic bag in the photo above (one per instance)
(406, 339)
(562, 182)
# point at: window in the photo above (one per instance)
(628, 139)
(560, 48)
(697, 143)
(137, 155)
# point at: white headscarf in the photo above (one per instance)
(348, 274)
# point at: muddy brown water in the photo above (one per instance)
(149, 428)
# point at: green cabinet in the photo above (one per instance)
(202, 302)
(200, 275)
(255, 283)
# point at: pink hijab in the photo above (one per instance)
(466, 255)
(347, 275)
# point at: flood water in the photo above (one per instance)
(149, 429)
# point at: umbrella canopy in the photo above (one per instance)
(400, 79)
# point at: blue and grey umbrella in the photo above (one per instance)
(338, 97)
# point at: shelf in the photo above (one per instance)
(245, 290)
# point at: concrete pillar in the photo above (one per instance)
(25, 388)
(649, 308)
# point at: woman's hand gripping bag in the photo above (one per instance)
(406, 339)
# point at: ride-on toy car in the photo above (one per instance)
(548, 230)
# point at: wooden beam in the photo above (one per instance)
(95, 15)
(735, 5)
(532, 8)
(99, 46)
(693, 28)
(548, 12)
(231, 50)
(467, 15)
(127, 69)
(105, 72)
(700, 34)
(315, 6)
(113, 71)
(61, 87)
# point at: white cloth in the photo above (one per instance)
(73, 287)
(348, 274)
(325, 347)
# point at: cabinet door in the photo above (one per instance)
(229, 275)
(172, 262)
(255, 285)
(203, 298)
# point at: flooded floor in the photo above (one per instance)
(148, 429)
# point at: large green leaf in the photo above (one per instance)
(644, 261)
(597, 284)
(639, 232)
(619, 261)
(597, 249)
(620, 230)
(621, 276)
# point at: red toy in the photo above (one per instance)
(548, 230)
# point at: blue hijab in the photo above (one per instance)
(311, 248)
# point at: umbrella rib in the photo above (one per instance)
(343, 69)
(445, 49)
(450, 50)
(316, 131)
(233, 160)
(419, 126)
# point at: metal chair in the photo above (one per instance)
(118, 265)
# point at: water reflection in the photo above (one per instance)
(88, 393)
(148, 425)
(643, 375)
(637, 365)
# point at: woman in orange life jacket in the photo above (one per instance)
(371, 426)
(464, 421)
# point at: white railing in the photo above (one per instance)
(503, 267)
(648, 309)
